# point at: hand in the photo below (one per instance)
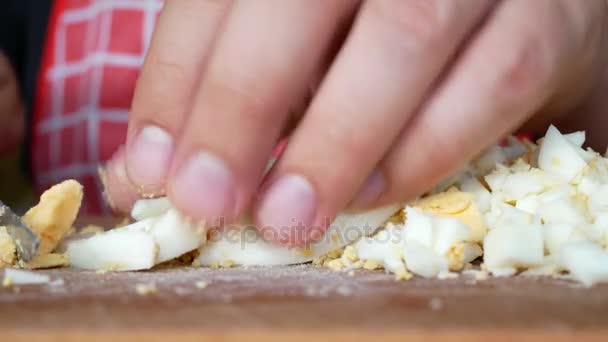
(415, 89)
(12, 123)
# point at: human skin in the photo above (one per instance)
(414, 90)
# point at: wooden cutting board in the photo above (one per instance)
(299, 303)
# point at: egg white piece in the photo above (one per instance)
(386, 248)
(576, 138)
(245, 246)
(481, 195)
(559, 157)
(555, 235)
(148, 208)
(121, 249)
(175, 235)
(163, 235)
(422, 261)
(21, 277)
(586, 261)
(511, 246)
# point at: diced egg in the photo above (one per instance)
(247, 246)
(21, 277)
(509, 247)
(559, 157)
(386, 249)
(576, 138)
(597, 201)
(448, 232)
(555, 235)
(528, 204)
(119, 249)
(146, 208)
(586, 261)
(480, 194)
(562, 210)
(175, 235)
(422, 261)
(418, 227)
(488, 159)
(172, 235)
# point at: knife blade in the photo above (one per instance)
(25, 239)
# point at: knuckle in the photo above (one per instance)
(233, 95)
(527, 69)
(173, 73)
(163, 92)
(345, 135)
(422, 23)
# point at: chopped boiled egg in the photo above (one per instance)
(509, 247)
(119, 249)
(52, 218)
(243, 244)
(148, 208)
(560, 157)
(586, 261)
(555, 235)
(20, 277)
(456, 205)
(155, 239)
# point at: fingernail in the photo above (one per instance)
(371, 190)
(149, 158)
(289, 204)
(204, 188)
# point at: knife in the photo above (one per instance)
(25, 239)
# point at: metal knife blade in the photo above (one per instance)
(25, 239)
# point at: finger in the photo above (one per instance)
(260, 67)
(506, 74)
(163, 96)
(120, 193)
(393, 54)
(584, 81)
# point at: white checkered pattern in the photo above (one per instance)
(97, 50)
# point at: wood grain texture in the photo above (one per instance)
(301, 302)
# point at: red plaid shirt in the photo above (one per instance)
(93, 53)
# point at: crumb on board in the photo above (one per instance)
(371, 265)
(201, 284)
(478, 275)
(344, 290)
(145, 289)
(447, 275)
(436, 304)
(7, 281)
(403, 274)
(223, 264)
